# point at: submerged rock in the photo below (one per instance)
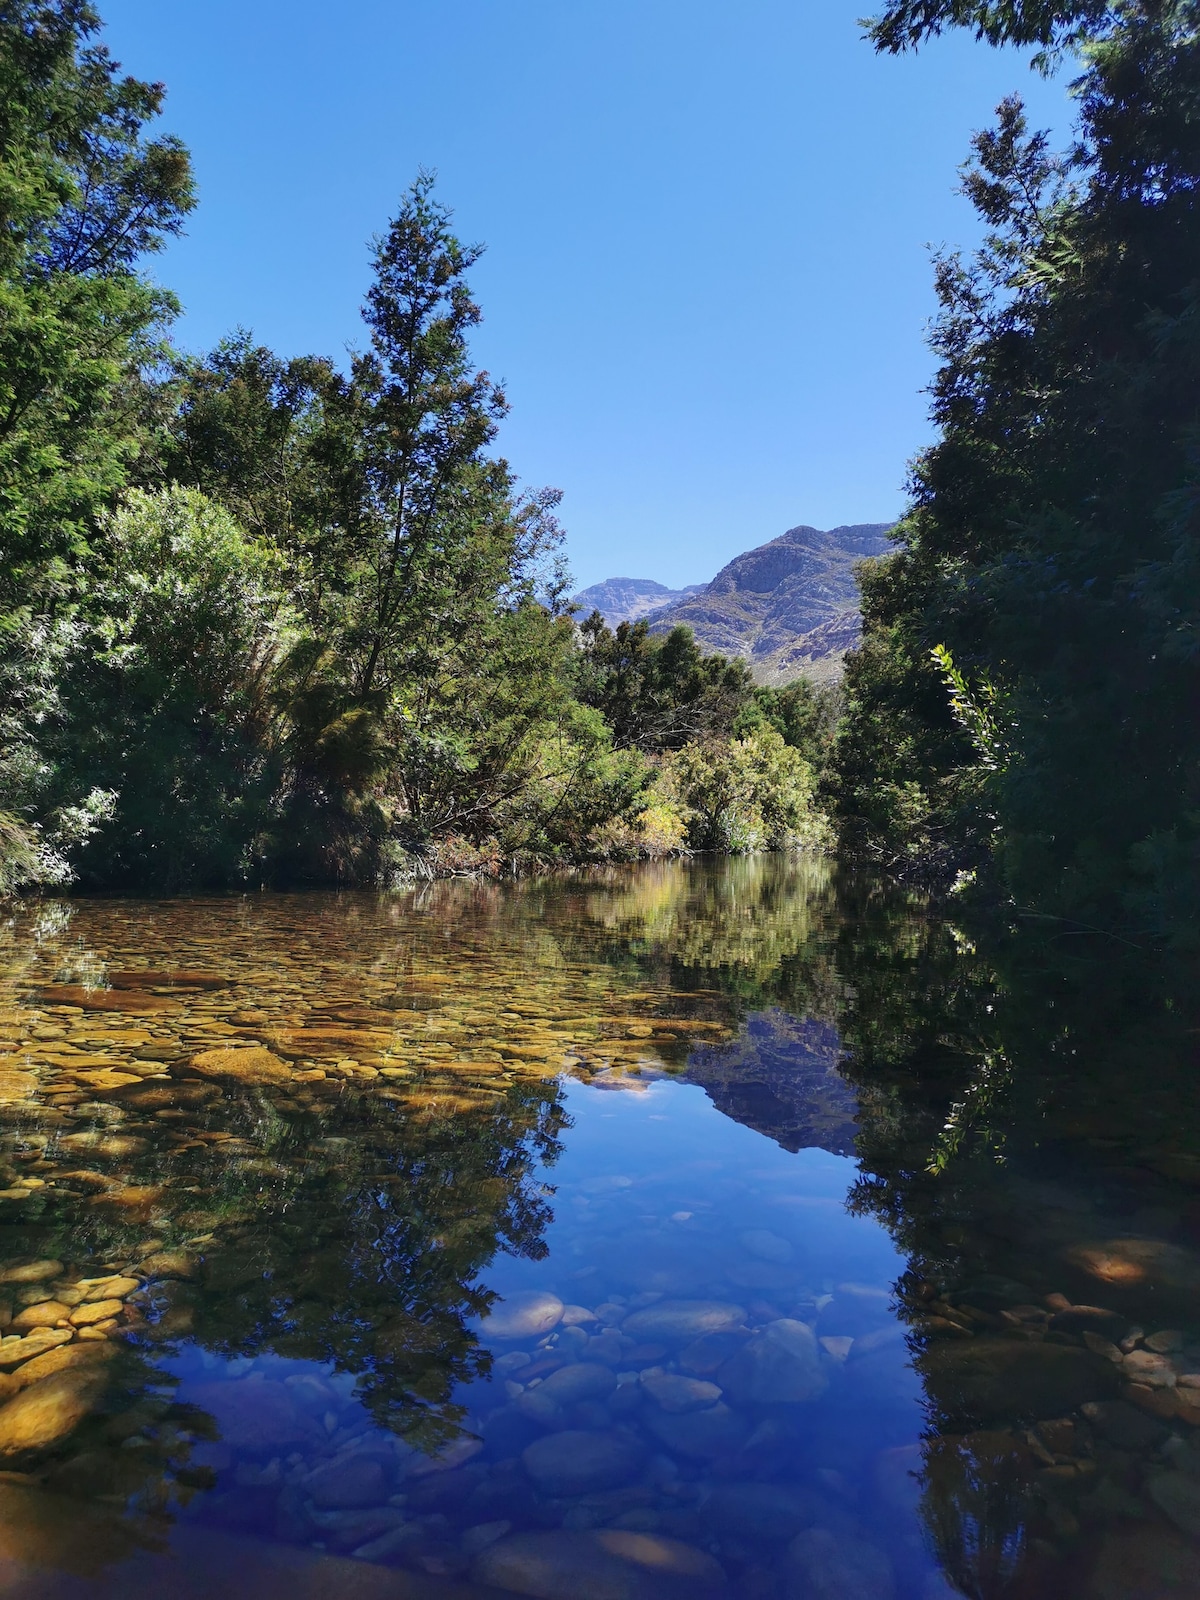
(713, 1434)
(355, 1481)
(820, 1565)
(43, 1315)
(578, 1462)
(609, 1564)
(13, 1352)
(526, 1315)
(1176, 1494)
(773, 1512)
(256, 1415)
(990, 1380)
(251, 1065)
(1145, 1564)
(674, 1392)
(779, 1366)
(580, 1380)
(46, 1412)
(706, 1355)
(679, 1321)
(43, 1271)
(168, 1264)
(765, 1245)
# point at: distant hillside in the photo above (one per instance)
(627, 599)
(790, 607)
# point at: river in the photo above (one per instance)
(676, 1231)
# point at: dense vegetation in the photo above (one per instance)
(267, 620)
(1024, 707)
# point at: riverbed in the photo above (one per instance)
(674, 1231)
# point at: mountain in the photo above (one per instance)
(627, 599)
(789, 608)
(780, 1076)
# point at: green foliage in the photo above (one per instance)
(260, 435)
(170, 707)
(908, 23)
(747, 794)
(805, 715)
(1051, 548)
(83, 194)
(658, 692)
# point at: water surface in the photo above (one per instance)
(677, 1231)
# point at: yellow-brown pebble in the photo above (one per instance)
(113, 1289)
(14, 1351)
(43, 1315)
(32, 1272)
(95, 1311)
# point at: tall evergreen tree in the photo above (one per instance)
(84, 195)
(1026, 699)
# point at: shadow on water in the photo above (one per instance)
(673, 1231)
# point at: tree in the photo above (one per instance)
(1044, 22)
(169, 707)
(1051, 548)
(658, 691)
(84, 194)
(427, 499)
(746, 794)
(805, 715)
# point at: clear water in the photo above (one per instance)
(686, 1230)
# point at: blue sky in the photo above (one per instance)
(707, 278)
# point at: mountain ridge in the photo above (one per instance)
(628, 599)
(788, 608)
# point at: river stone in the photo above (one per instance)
(15, 1351)
(581, 1380)
(254, 1414)
(526, 1315)
(673, 1392)
(1146, 1563)
(32, 1272)
(897, 1475)
(577, 1462)
(992, 1380)
(96, 1311)
(606, 1564)
(713, 1434)
(1124, 1425)
(678, 1321)
(246, 1064)
(168, 1264)
(773, 1512)
(1176, 1494)
(43, 1315)
(779, 1366)
(1139, 1263)
(108, 1146)
(766, 1246)
(353, 1482)
(57, 1360)
(855, 1310)
(114, 1288)
(820, 1565)
(706, 1355)
(48, 1411)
